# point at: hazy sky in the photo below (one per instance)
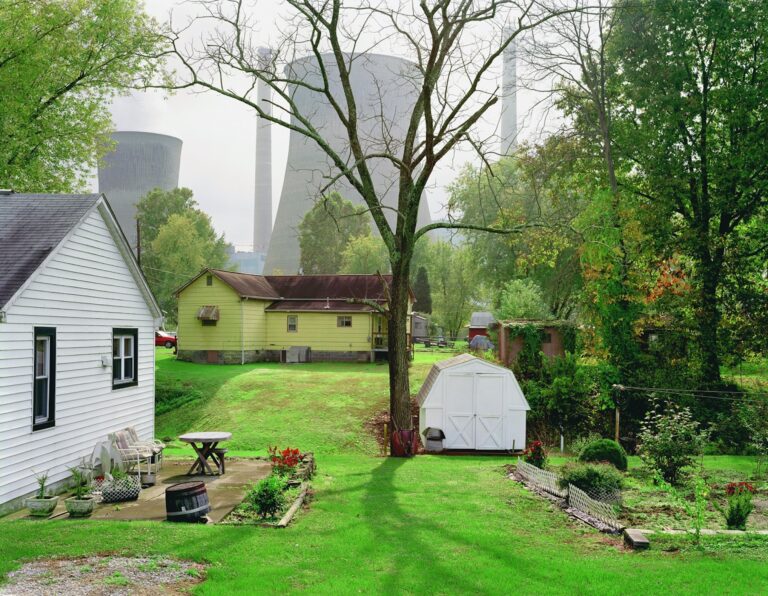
(219, 135)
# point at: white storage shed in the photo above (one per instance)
(477, 404)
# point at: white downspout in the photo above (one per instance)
(242, 332)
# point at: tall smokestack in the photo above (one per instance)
(509, 97)
(262, 208)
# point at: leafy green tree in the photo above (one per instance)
(365, 254)
(423, 292)
(452, 272)
(326, 230)
(691, 102)
(61, 62)
(178, 240)
(534, 186)
(154, 210)
(522, 299)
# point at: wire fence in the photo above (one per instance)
(603, 507)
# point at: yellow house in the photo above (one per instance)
(229, 317)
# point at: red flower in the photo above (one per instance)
(736, 488)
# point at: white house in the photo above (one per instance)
(477, 404)
(77, 323)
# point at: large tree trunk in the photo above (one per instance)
(399, 388)
(709, 320)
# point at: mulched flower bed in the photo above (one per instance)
(103, 574)
(296, 495)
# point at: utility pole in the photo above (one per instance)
(617, 390)
(138, 243)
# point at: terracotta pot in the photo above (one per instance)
(80, 507)
(41, 507)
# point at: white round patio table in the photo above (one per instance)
(208, 441)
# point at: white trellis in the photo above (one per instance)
(575, 497)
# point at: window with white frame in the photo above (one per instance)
(344, 321)
(293, 323)
(124, 357)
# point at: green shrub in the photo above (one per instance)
(577, 445)
(670, 440)
(594, 479)
(266, 497)
(605, 450)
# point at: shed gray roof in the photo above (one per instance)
(481, 319)
(435, 371)
(31, 226)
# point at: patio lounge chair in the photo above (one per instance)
(138, 458)
(153, 444)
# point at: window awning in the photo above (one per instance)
(208, 313)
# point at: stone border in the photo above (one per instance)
(286, 519)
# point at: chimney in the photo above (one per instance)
(262, 208)
(509, 97)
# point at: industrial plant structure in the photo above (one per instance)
(509, 98)
(262, 209)
(141, 162)
(385, 89)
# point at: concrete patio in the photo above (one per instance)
(224, 492)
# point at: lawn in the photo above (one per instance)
(425, 525)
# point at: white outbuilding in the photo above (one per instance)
(477, 404)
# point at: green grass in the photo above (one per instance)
(319, 406)
(426, 525)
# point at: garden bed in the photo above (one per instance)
(286, 490)
(646, 505)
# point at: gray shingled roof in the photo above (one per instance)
(481, 318)
(31, 226)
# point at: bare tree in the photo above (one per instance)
(452, 46)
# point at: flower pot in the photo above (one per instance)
(41, 507)
(123, 489)
(80, 507)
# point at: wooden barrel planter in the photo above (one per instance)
(187, 502)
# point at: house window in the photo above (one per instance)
(293, 323)
(125, 352)
(209, 280)
(43, 408)
(344, 321)
(208, 323)
(546, 338)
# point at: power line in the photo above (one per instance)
(704, 394)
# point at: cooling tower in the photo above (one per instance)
(262, 208)
(509, 98)
(385, 90)
(141, 161)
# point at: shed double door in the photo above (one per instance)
(474, 411)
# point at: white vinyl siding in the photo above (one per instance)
(84, 291)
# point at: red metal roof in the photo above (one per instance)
(314, 287)
(305, 292)
(319, 305)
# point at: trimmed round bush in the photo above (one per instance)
(605, 450)
(594, 479)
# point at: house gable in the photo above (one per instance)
(84, 289)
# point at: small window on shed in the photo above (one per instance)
(293, 323)
(344, 321)
(546, 338)
(209, 280)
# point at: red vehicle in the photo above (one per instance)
(163, 338)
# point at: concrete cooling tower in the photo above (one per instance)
(385, 90)
(141, 161)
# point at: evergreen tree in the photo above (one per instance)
(423, 293)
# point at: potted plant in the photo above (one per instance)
(42, 504)
(81, 503)
(120, 486)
